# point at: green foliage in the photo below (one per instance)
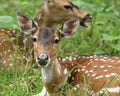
(103, 34)
(101, 37)
(6, 19)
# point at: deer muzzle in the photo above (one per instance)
(42, 59)
(87, 18)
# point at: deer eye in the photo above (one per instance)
(34, 39)
(68, 7)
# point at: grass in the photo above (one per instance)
(101, 37)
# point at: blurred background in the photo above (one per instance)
(101, 37)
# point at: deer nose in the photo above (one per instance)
(42, 59)
(88, 18)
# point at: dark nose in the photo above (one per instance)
(88, 18)
(42, 59)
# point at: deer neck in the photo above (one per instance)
(53, 73)
(43, 22)
(53, 77)
(44, 18)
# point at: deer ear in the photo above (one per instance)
(26, 23)
(69, 28)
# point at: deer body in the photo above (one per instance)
(9, 48)
(100, 73)
(3, 46)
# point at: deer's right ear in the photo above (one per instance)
(26, 23)
(69, 28)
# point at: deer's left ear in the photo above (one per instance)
(26, 23)
(69, 28)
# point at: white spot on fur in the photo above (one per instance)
(113, 74)
(78, 85)
(73, 78)
(83, 69)
(78, 70)
(107, 76)
(111, 90)
(102, 66)
(74, 58)
(109, 66)
(86, 71)
(93, 75)
(103, 60)
(14, 31)
(63, 59)
(72, 64)
(91, 56)
(88, 63)
(65, 71)
(70, 58)
(112, 61)
(11, 64)
(105, 70)
(9, 50)
(99, 77)
(91, 71)
(96, 59)
(4, 62)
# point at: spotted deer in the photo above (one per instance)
(100, 73)
(52, 12)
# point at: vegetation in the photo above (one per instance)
(101, 37)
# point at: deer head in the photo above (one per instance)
(60, 11)
(45, 40)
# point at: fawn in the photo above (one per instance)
(52, 12)
(101, 73)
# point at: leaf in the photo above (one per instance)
(6, 19)
(110, 37)
(21, 0)
(116, 46)
(99, 52)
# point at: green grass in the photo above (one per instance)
(101, 37)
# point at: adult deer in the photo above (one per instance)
(52, 12)
(59, 11)
(101, 73)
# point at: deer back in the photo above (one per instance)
(11, 48)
